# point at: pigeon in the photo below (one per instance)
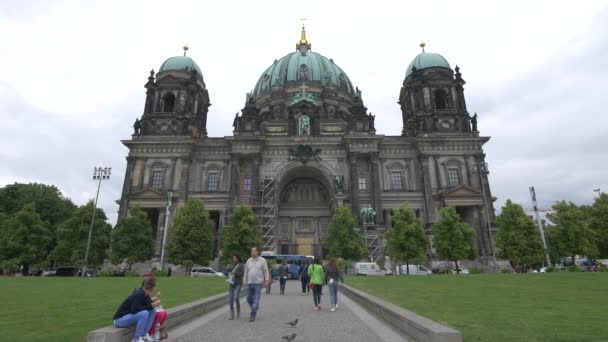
(289, 337)
(293, 323)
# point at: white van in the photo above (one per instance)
(414, 270)
(368, 268)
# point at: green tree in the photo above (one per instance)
(406, 239)
(191, 239)
(452, 238)
(72, 236)
(342, 240)
(132, 238)
(241, 233)
(25, 238)
(518, 237)
(50, 204)
(599, 222)
(569, 233)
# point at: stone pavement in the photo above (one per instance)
(349, 323)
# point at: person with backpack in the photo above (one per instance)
(304, 277)
(283, 274)
(316, 273)
(332, 275)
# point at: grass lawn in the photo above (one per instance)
(65, 309)
(554, 307)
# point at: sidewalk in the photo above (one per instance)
(349, 323)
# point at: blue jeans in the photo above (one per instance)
(142, 320)
(233, 296)
(333, 293)
(253, 297)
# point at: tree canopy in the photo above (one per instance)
(241, 233)
(342, 239)
(453, 239)
(191, 238)
(406, 239)
(569, 233)
(132, 238)
(518, 238)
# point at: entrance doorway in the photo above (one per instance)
(305, 246)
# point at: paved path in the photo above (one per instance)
(349, 323)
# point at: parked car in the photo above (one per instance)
(205, 272)
(368, 268)
(462, 271)
(48, 273)
(414, 270)
(67, 271)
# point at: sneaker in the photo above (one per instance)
(336, 305)
(303, 293)
(140, 339)
(251, 318)
(317, 308)
(333, 309)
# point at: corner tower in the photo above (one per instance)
(432, 97)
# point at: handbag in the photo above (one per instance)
(311, 286)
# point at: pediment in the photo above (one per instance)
(461, 191)
(149, 193)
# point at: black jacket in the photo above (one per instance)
(238, 271)
(136, 302)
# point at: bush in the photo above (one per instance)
(159, 274)
(551, 269)
(506, 270)
(106, 273)
(9, 266)
(131, 274)
(474, 270)
(574, 268)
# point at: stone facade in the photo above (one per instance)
(305, 144)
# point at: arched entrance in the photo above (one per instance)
(304, 211)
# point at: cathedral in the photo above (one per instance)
(304, 144)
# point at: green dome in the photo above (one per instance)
(299, 67)
(180, 63)
(427, 60)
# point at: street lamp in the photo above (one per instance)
(98, 174)
(167, 216)
(482, 169)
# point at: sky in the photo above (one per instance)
(72, 76)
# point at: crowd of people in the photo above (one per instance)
(255, 274)
(143, 310)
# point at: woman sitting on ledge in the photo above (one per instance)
(140, 309)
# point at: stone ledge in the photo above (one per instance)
(409, 323)
(177, 316)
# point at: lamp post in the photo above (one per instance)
(167, 216)
(100, 174)
(482, 169)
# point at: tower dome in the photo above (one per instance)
(181, 63)
(303, 66)
(427, 60)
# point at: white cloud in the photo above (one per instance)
(72, 75)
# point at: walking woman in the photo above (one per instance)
(235, 281)
(316, 274)
(332, 275)
(283, 274)
(304, 276)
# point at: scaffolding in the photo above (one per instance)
(267, 212)
(373, 242)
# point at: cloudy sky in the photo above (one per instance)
(72, 76)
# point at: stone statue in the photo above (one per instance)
(474, 122)
(368, 215)
(372, 118)
(338, 181)
(303, 124)
(137, 126)
(235, 123)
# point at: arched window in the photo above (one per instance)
(441, 99)
(169, 102)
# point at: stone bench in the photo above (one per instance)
(418, 328)
(177, 316)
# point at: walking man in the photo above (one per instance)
(256, 275)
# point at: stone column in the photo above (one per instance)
(354, 186)
(234, 179)
(255, 176)
(437, 172)
(126, 187)
(375, 180)
(425, 173)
